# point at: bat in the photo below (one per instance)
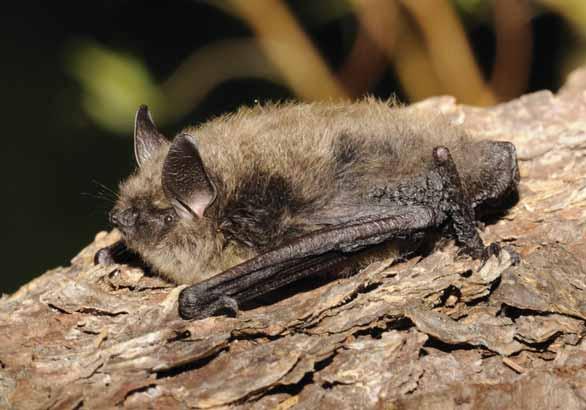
(252, 201)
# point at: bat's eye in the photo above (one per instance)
(169, 219)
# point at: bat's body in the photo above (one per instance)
(295, 189)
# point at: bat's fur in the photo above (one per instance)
(283, 170)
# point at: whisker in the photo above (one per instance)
(98, 195)
(106, 191)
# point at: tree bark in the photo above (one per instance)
(430, 332)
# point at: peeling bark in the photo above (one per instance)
(431, 332)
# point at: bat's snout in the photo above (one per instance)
(123, 218)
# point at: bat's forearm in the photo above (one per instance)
(309, 254)
(201, 300)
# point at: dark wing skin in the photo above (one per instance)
(311, 253)
(443, 198)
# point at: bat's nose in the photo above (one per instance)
(123, 218)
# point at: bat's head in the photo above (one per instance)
(161, 210)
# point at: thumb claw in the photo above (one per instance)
(494, 249)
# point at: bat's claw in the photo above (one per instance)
(515, 256)
(488, 252)
(496, 250)
(485, 253)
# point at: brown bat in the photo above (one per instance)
(250, 202)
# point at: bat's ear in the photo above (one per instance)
(185, 181)
(147, 138)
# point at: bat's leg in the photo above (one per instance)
(459, 208)
(311, 253)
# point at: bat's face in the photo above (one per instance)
(160, 210)
(143, 214)
(142, 223)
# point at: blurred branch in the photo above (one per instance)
(386, 35)
(449, 51)
(423, 40)
(419, 62)
(289, 49)
(376, 36)
(115, 83)
(514, 46)
(312, 13)
(214, 64)
(413, 65)
(574, 11)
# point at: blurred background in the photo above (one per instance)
(73, 74)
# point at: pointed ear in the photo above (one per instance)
(147, 138)
(185, 181)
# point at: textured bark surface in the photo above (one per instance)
(432, 332)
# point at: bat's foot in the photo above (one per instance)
(117, 253)
(494, 249)
(514, 255)
(486, 252)
(194, 305)
(104, 256)
(461, 212)
(483, 253)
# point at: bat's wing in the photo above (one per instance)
(347, 230)
(306, 255)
